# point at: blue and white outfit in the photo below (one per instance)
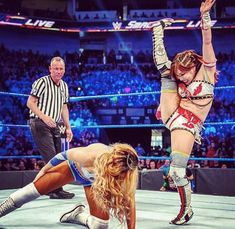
(82, 175)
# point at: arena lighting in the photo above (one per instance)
(108, 26)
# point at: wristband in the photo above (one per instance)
(206, 21)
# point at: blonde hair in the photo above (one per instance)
(185, 61)
(116, 179)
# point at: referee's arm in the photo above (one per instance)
(65, 117)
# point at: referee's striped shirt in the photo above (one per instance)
(50, 97)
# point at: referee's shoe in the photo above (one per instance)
(61, 194)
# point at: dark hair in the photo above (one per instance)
(185, 61)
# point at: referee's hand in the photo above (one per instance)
(49, 121)
(69, 134)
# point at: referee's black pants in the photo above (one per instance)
(47, 139)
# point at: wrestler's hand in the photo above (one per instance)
(163, 22)
(158, 113)
(40, 174)
(206, 6)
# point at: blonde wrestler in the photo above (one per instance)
(187, 86)
(109, 175)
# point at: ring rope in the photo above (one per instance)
(192, 158)
(19, 157)
(142, 157)
(80, 98)
(124, 126)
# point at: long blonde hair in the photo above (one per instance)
(116, 179)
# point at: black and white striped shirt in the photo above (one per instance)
(50, 97)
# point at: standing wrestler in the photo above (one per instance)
(184, 112)
(48, 104)
(109, 175)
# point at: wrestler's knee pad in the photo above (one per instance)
(168, 84)
(178, 168)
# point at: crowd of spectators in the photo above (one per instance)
(214, 145)
(18, 142)
(123, 73)
(16, 7)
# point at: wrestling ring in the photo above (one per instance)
(154, 208)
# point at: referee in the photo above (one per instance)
(48, 104)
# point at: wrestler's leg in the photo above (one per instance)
(182, 140)
(169, 102)
(182, 143)
(55, 177)
(96, 219)
(94, 209)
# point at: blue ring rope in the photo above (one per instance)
(151, 158)
(19, 157)
(124, 126)
(192, 158)
(79, 98)
(119, 126)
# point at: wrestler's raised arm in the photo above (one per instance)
(207, 47)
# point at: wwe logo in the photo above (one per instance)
(62, 129)
(117, 25)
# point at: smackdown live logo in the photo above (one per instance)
(131, 25)
(178, 24)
